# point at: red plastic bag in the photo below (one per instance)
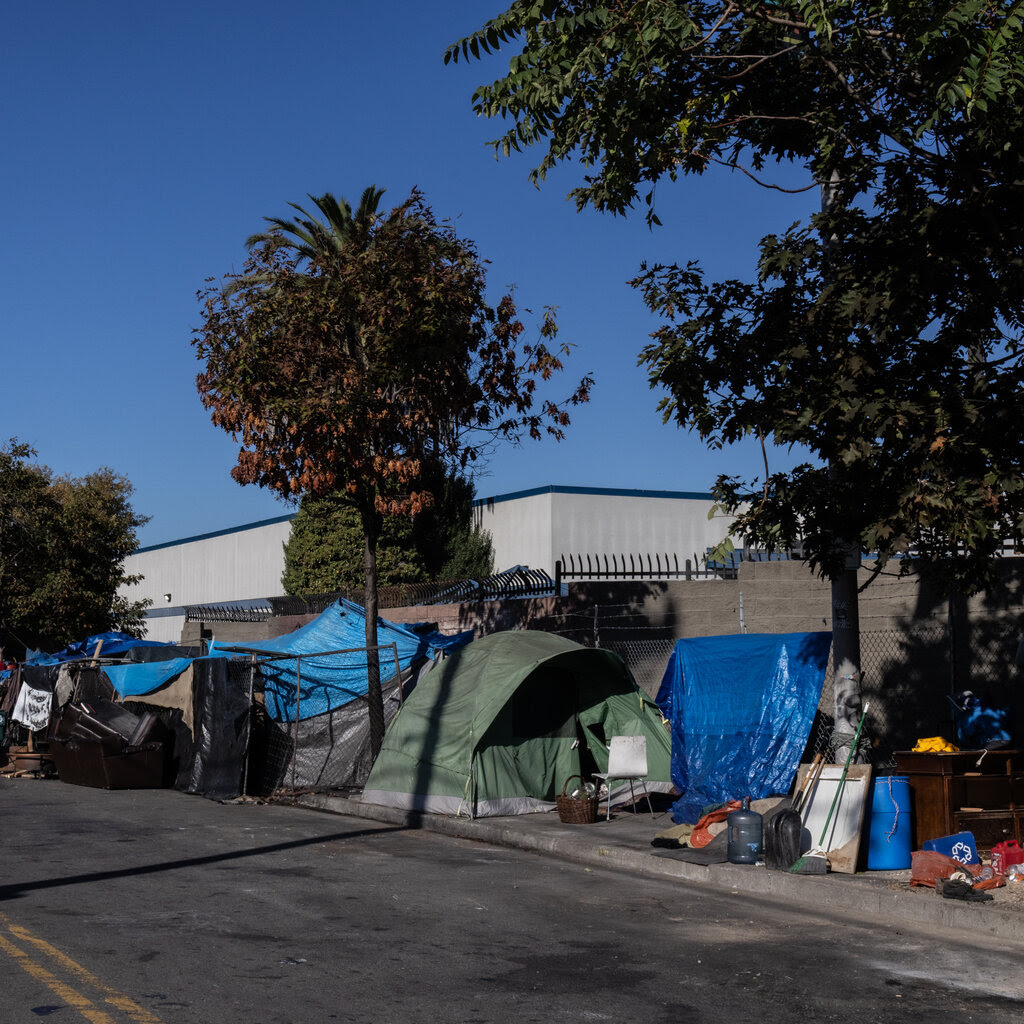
(928, 865)
(701, 836)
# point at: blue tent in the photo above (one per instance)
(333, 680)
(740, 709)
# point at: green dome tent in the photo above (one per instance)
(501, 725)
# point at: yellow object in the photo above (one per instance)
(934, 745)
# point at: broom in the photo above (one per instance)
(815, 860)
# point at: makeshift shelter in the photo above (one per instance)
(741, 709)
(500, 726)
(290, 710)
(35, 694)
(207, 703)
(315, 689)
(106, 644)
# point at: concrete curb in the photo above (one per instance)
(852, 895)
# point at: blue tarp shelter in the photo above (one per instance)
(113, 644)
(740, 709)
(327, 682)
(334, 680)
(136, 680)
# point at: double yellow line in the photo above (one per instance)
(33, 961)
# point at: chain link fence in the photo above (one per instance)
(308, 730)
(908, 675)
(314, 721)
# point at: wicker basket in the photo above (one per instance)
(575, 811)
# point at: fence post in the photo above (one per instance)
(558, 577)
(951, 621)
(398, 670)
(298, 698)
(248, 727)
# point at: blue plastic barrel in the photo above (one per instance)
(889, 838)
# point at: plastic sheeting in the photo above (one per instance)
(136, 680)
(740, 709)
(223, 720)
(330, 751)
(331, 681)
(113, 644)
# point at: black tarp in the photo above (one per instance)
(147, 655)
(222, 723)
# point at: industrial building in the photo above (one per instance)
(532, 528)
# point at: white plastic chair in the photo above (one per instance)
(627, 762)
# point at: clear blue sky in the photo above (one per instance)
(143, 142)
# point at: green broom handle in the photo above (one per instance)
(842, 779)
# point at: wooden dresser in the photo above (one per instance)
(968, 791)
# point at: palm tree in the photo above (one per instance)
(320, 241)
(323, 245)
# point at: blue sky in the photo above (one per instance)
(144, 142)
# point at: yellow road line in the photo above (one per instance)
(65, 992)
(117, 999)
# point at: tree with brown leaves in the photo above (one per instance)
(355, 353)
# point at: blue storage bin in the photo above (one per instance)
(960, 847)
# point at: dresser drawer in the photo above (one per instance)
(990, 827)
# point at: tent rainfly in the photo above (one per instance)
(502, 724)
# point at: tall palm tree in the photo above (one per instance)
(319, 241)
(322, 245)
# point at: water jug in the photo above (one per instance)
(746, 833)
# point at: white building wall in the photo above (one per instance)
(535, 528)
(218, 568)
(520, 528)
(532, 528)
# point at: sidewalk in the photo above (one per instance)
(624, 844)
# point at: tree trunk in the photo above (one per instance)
(846, 692)
(375, 696)
(846, 695)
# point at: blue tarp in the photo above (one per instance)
(113, 643)
(332, 681)
(138, 680)
(740, 709)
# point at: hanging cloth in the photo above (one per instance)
(32, 708)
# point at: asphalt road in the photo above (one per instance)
(154, 907)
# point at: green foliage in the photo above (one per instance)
(324, 552)
(355, 367)
(357, 355)
(884, 336)
(471, 556)
(452, 545)
(63, 542)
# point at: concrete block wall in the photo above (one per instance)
(768, 597)
(905, 645)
